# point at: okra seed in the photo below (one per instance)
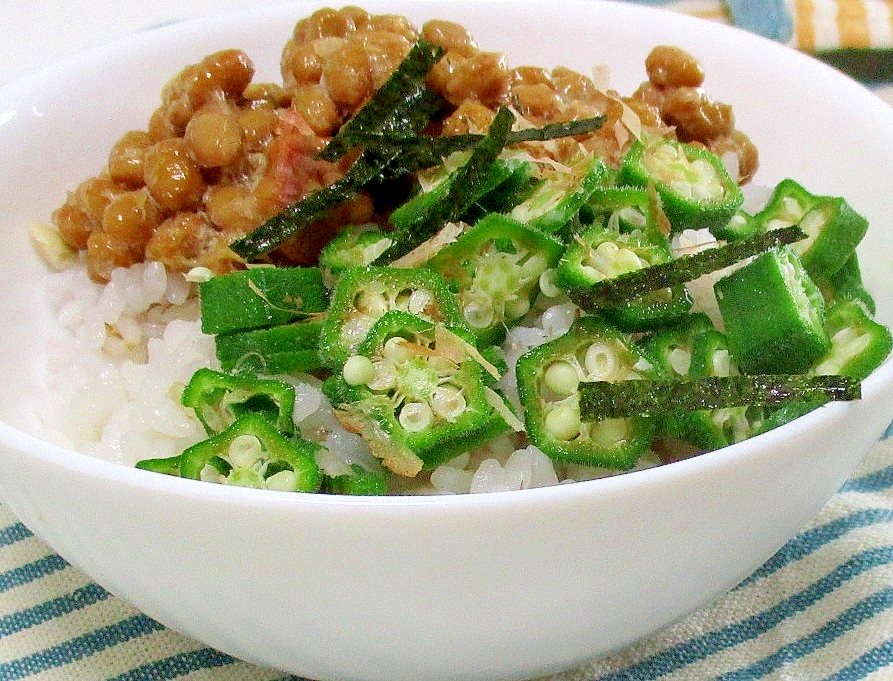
(283, 481)
(448, 402)
(561, 378)
(418, 301)
(517, 308)
(680, 360)
(563, 423)
(534, 265)
(244, 451)
(358, 370)
(547, 284)
(721, 363)
(600, 361)
(384, 377)
(415, 416)
(372, 303)
(395, 350)
(478, 312)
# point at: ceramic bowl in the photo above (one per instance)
(493, 586)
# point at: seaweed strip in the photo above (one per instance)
(617, 290)
(603, 399)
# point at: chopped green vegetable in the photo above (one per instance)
(424, 401)
(858, 343)
(362, 295)
(549, 378)
(218, 399)
(251, 452)
(359, 482)
(833, 229)
(694, 185)
(497, 265)
(260, 297)
(284, 349)
(774, 315)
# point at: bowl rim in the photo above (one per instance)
(880, 382)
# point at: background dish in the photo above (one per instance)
(106, 519)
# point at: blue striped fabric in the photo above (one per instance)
(820, 608)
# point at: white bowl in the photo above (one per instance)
(494, 586)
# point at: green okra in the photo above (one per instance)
(218, 399)
(353, 247)
(549, 377)
(496, 266)
(416, 392)
(364, 294)
(846, 284)
(693, 183)
(359, 482)
(774, 315)
(260, 297)
(558, 198)
(252, 452)
(284, 349)
(833, 229)
(858, 343)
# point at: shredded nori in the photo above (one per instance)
(602, 399)
(615, 291)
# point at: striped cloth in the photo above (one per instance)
(810, 25)
(820, 609)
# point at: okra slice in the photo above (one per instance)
(284, 349)
(252, 452)
(599, 254)
(687, 267)
(833, 229)
(364, 294)
(694, 349)
(496, 265)
(846, 284)
(354, 247)
(359, 482)
(651, 398)
(219, 399)
(415, 391)
(774, 315)
(858, 343)
(549, 377)
(260, 296)
(693, 183)
(560, 195)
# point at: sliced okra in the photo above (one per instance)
(846, 284)
(858, 343)
(364, 294)
(252, 452)
(496, 265)
(693, 183)
(260, 296)
(284, 349)
(218, 399)
(416, 393)
(833, 229)
(549, 377)
(558, 198)
(774, 315)
(359, 482)
(353, 247)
